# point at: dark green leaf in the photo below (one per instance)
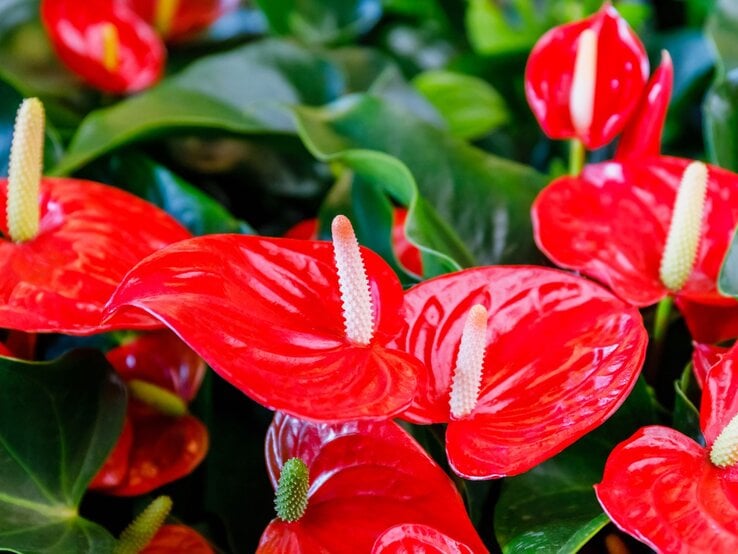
(728, 278)
(686, 418)
(58, 422)
(465, 206)
(246, 90)
(553, 508)
(470, 106)
(321, 21)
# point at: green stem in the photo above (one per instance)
(576, 157)
(660, 327)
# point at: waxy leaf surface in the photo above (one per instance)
(90, 236)
(661, 487)
(620, 77)
(533, 402)
(366, 477)
(77, 36)
(612, 221)
(58, 422)
(266, 315)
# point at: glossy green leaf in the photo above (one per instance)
(10, 99)
(58, 422)
(722, 27)
(321, 21)
(470, 106)
(466, 206)
(553, 508)
(720, 110)
(194, 209)
(245, 90)
(728, 278)
(686, 418)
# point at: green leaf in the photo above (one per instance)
(194, 209)
(720, 110)
(321, 21)
(686, 418)
(470, 106)
(491, 31)
(58, 422)
(245, 90)
(10, 100)
(466, 206)
(553, 508)
(728, 278)
(722, 27)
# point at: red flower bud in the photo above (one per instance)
(584, 79)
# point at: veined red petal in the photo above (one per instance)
(704, 356)
(534, 401)
(411, 538)
(642, 135)
(622, 70)
(660, 487)
(164, 449)
(266, 315)
(611, 223)
(77, 33)
(178, 539)
(364, 477)
(163, 359)
(114, 471)
(90, 236)
(720, 396)
(189, 18)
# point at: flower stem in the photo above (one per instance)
(576, 157)
(660, 326)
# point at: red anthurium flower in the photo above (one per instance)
(177, 539)
(105, 43)
(66, 243)
(411, 538)
(406, 252)
(522, 361)
(585, 79)
(300, 326)
(160, 441)
(704, 356)
(671, 492)
(357, 480)
(177, 20)
(647, 228)
(641, 137)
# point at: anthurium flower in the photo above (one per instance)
(353, 481)
(522, 361)
(672, 493)
(160, 442)
(176, 20)
(177, 539)
(704, 356)
(584, 79)
(411, 538)
(105, 43)
(406, 252)
(66, 243)
(647, 228)
(300, 326)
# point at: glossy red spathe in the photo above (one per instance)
(177, 539)
(611, 223)
(412, 538)
(621, 73)
(407, 253)
(188, 18)
(365, 477)
(661, 487)
(155, 449)
(536, 397)
(704, 356)
(90, 236)
(266, 314)
(78, 34)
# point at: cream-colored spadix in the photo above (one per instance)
(24, 173)
(584, 79)
(683, 239)
(110, 47)
(469, 363)
(356, 296)
(724, 451)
